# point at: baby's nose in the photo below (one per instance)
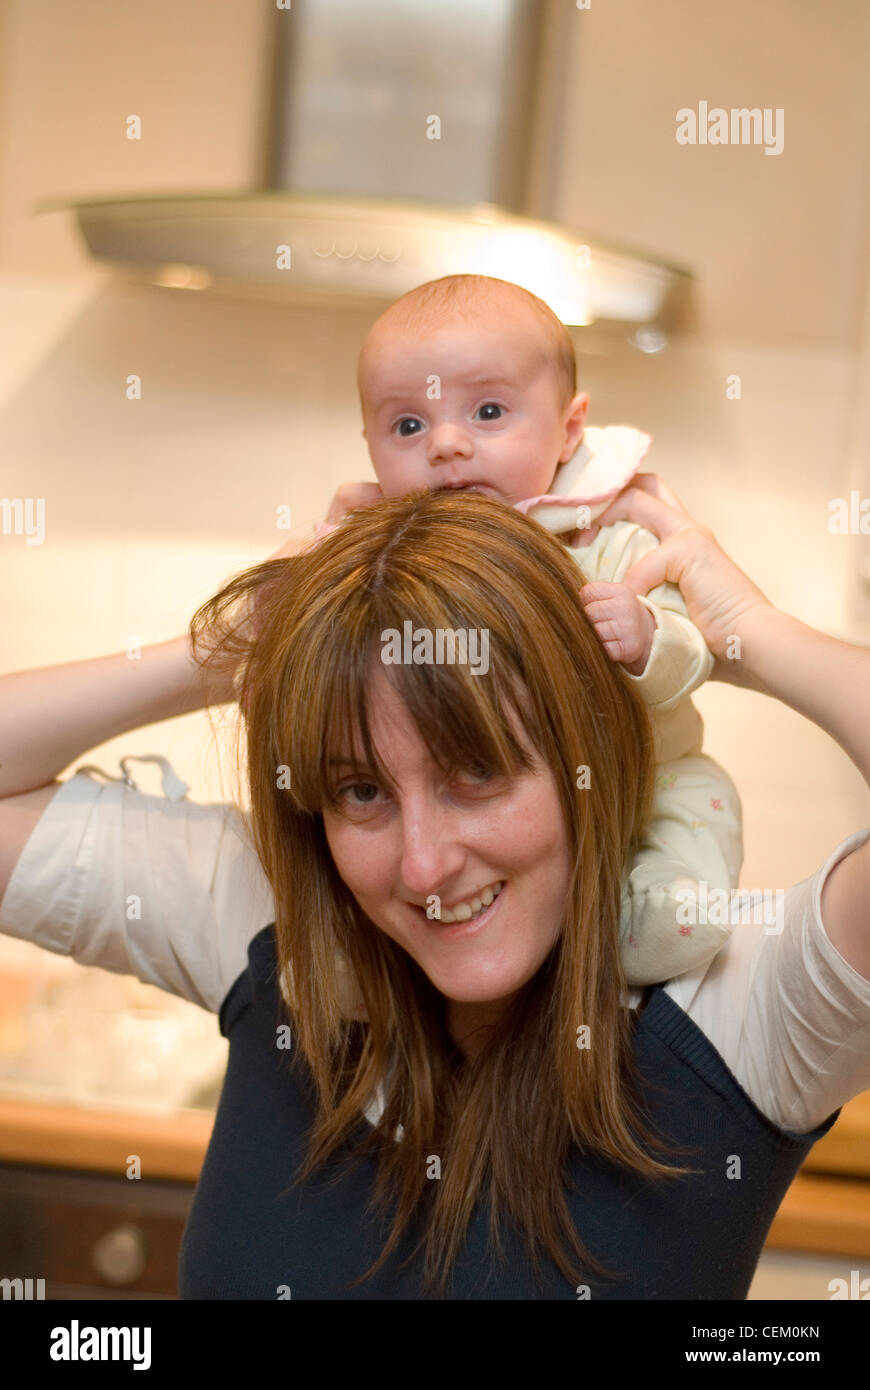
(449, 441)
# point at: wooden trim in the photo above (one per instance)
(829, 1215)
(61, 1136)
(846, 1147)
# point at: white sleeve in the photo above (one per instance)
(785, 1010)
(166, 890)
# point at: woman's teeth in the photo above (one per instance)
(463, 912)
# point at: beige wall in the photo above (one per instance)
(245, 407)
(779, 243)
(779, 247)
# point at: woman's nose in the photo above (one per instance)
(431, 851)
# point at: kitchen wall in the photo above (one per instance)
(150, 504)
(779, 247)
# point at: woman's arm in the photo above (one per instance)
(199, 890)
(764, 649)
(72, 853)
(52, 715)
(828, 681)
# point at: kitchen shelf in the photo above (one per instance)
(170, 1145)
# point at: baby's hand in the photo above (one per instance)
(625, 626)
(351, 495)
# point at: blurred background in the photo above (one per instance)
(718, 299)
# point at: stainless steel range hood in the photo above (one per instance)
(404, 140)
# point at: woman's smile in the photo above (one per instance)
(465, 918)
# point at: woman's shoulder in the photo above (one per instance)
(152, 885)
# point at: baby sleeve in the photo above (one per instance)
(692, 844)
(679, 660)
(694, 834)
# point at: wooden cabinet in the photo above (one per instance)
(827, 1207)
(89, 1235)
(70, 1215)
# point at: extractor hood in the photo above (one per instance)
(403, 140)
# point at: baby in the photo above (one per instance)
(470, 383)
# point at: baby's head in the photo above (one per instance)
(470, 382)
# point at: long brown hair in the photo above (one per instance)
(503, 1121)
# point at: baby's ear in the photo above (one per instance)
(575, 425)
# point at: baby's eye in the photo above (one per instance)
(408, 420)
(484, 411)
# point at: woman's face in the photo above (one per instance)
(455, 840)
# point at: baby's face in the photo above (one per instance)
(473, 406)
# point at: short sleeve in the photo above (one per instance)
(170, 891)
(788, 1014)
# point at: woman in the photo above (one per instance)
(471, 1108)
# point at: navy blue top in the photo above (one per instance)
(697, 1237)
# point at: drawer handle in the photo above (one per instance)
(119, 1255)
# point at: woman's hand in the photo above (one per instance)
(347, 496)
(718, 595)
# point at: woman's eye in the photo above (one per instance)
(343, 794)
(489, 411)
(477, 775)
(408, 426)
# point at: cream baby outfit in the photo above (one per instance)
(695, 832)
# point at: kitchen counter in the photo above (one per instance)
(827, 1208)
(170, 1145)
